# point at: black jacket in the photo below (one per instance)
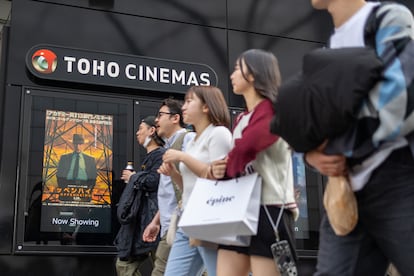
(321, 102)
(138, 206)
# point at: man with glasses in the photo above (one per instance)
(171, 128)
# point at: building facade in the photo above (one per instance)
(94, 68)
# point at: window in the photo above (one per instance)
(63, 133)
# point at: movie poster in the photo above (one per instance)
(299, 176)
(77, 172)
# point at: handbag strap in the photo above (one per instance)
(177, 145)
(275, 226)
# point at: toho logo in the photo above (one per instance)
(57, 63)
(44, 61)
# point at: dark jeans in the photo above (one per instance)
(385, 230)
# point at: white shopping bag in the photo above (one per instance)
(230, 240)
(223, 210)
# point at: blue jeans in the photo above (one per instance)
(385, 229)
(186, 260)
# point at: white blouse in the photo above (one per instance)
(213, 144)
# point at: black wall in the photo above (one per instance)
(212, 33)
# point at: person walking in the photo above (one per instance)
(256, 77)
(138, 203)
(171, 128)
(376, 154)
(206, 110)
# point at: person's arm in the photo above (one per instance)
(169, 169)
(196, 166)
(329, 165)
(218, 146)
(151, 179)
(152, 230)
(126, 175)
(393, 44)
(218, 168)
(255, 137)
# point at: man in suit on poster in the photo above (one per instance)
(76, 168)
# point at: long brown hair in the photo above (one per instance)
(213, 97)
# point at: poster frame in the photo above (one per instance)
(28, 167)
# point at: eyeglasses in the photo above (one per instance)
(160, 113)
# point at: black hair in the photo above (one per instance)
(264, 68)
(150, 121)
(175, 108)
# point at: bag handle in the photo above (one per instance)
(177, 145)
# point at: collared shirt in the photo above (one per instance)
(81, 175)
(166, 195)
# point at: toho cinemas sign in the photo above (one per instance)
(111, 69)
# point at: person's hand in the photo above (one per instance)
(166, 168)
(172, 155)
(151, 232)
(329, 165)
(218, 168)
(126, 174)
